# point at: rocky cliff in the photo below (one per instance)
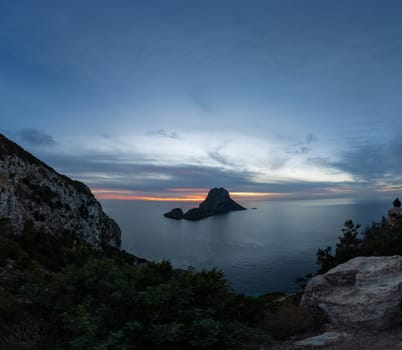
(218, 201)
(31, 190)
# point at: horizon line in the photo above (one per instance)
(176, 195)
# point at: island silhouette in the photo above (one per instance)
(218, 201)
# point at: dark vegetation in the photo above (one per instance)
(56, 292)
(377, 239)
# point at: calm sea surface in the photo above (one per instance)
(260, 250)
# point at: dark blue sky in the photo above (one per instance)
(298, 97)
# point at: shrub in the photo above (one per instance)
(291, 320)
(378, 239)
(95, 300)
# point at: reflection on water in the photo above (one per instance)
(260, 251)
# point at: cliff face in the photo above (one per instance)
(31, 190)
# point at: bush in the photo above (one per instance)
(291, 320)
(378, 239)
(147, 307)
(95, 300)
(9, 250)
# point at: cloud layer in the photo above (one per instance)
(36, 137)
(119, 167)
(274, 97)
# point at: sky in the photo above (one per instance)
(164, 99)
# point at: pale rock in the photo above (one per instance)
(363, 292)
(31, 190)
(325, 339)
(394, 215)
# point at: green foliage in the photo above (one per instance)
(325, 259)
(290, 319)
(348, 247)
(378, 239)
(54, 251)
(150, 307)
(382, 239)
(349, 244)
(95, 300)
(9, 250)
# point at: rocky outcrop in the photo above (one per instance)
(322, 340)
(217, 202)
(31, 190)
(394, 216)
(363, 292)
(176, 213)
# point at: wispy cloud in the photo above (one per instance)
(216, 156)
(371, 161)
(164, 133)
(144, 177)
(303, 147)
(36, 137)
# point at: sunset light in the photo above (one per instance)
(137, 196)
(196, 174)
(179, 195)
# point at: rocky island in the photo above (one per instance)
(218, 201)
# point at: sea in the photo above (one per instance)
(260, 250)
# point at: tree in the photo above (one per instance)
(348, 247)
(349, 244)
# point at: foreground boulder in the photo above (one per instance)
(325, 339)
(363, 292)
(32, 191)
(217, 202)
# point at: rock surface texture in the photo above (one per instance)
(357, 340)
(31, 190)
(394, 215)
(363, 292)
(322, 340)
(217, 202)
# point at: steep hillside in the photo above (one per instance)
(30, 190)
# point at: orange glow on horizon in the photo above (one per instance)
(195, 189)
(149, 198)
(389, 188)
(253, 194)
(125, 195)
(177, 195)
